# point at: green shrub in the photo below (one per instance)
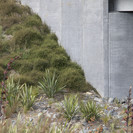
(58, 61)
(70, 106)
(1, 73)
(4, 48)
(24, 38)
(17, 64)
(73, 79)
(26, 66)
(23, 79)
(35, 76)
(54, 70)
(27, 98)
(61, 51)
(32, 21)
(0, 33)
(39, 52)
(90, 110)
(45, 29)
(14, 28)
(50, 84)
(76, 66)
(51, 44)
(42, 53)
(41, 64)
(3, 62)
(52, 36)
(9, 7)
(8, 21)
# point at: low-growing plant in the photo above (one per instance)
(70, 106)
(27, 98)
(13, 96)
(50, 84)
(90, 110)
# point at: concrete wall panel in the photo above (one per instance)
(121, 53)
(93, 43)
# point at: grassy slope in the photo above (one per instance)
(24, 33)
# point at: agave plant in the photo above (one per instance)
(50, 84)
(27, 97)
(70, 106)
(90, 110)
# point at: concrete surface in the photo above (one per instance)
(121, 53)
(123, 5)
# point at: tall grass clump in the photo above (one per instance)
(70, 106)
(50, 84)
(90, 110)
(27, 97)
(13, 97)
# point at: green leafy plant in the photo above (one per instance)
(73, 78)
(70, 106)
(90, 110)
(13, 96)
(25, 37)
(50, 84)
(27, 98)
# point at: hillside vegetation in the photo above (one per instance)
(22, 32)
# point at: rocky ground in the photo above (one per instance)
(111, 117)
